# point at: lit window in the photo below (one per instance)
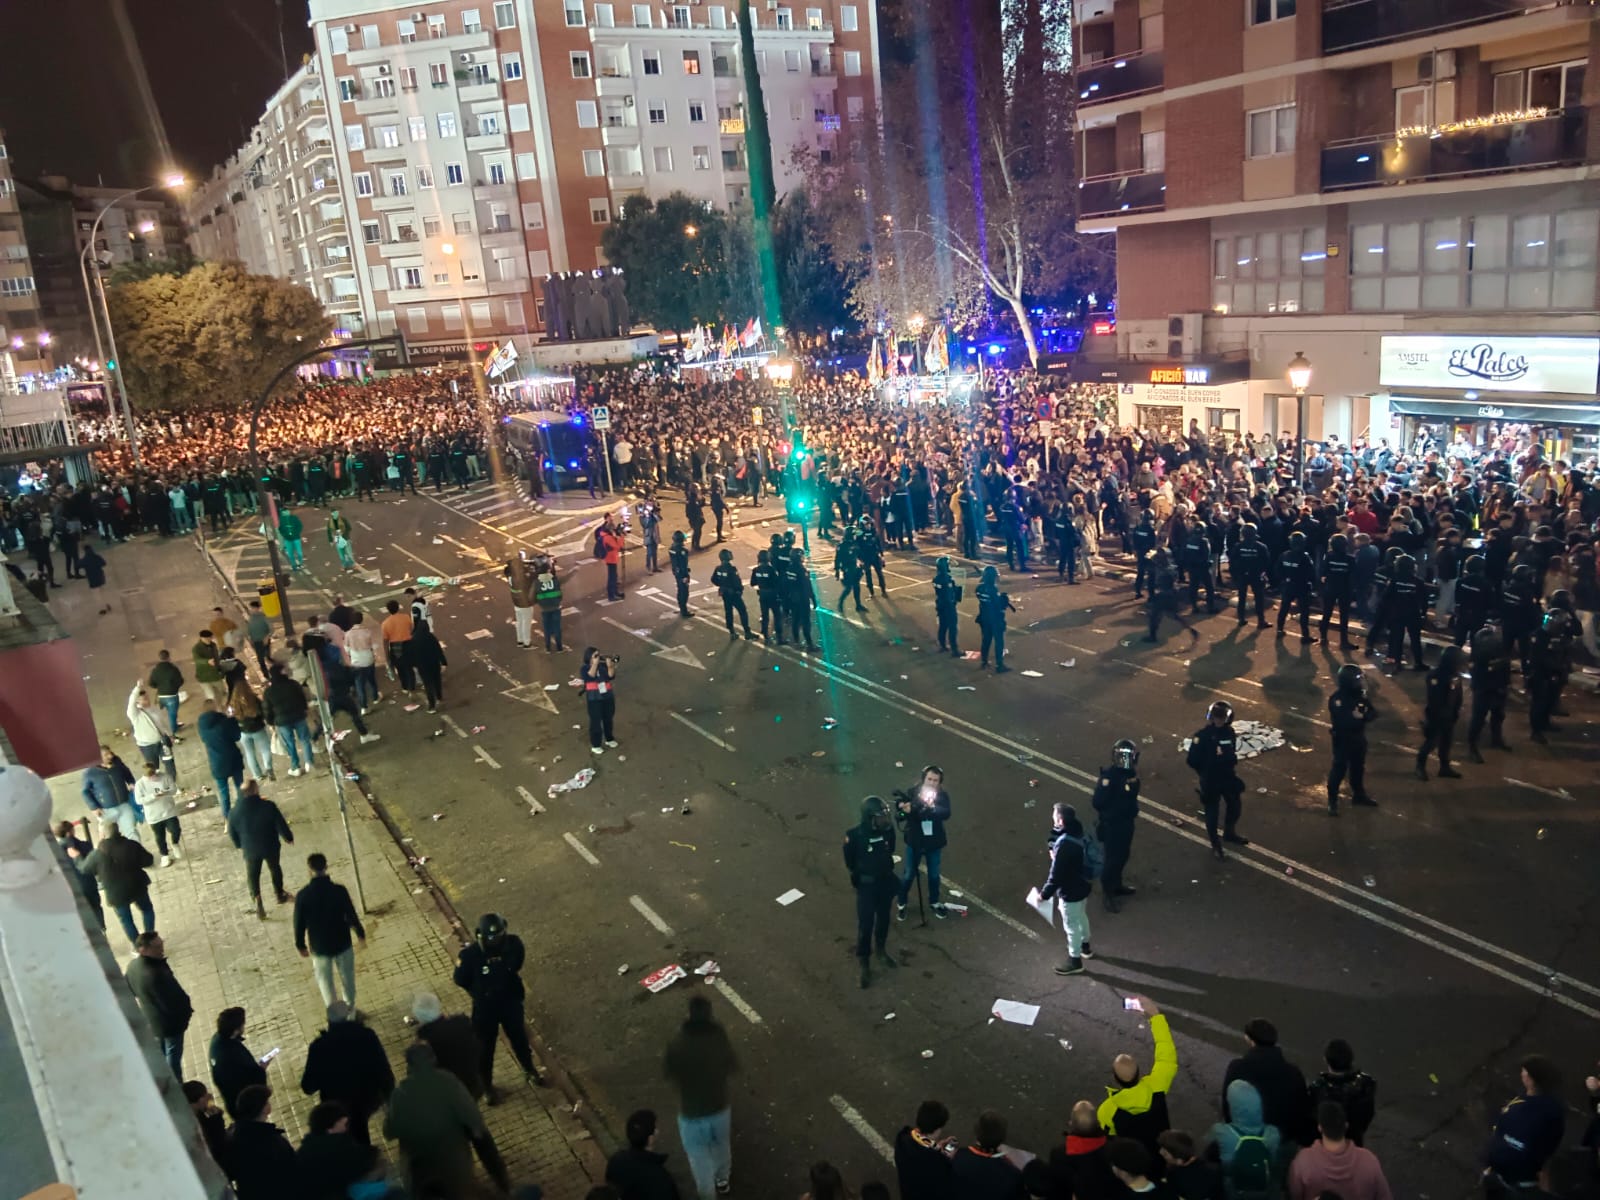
(691, 62)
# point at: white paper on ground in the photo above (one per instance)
(790, 897)
(478, 634)
(1015, 1011)
(1045, 908)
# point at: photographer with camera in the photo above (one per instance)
(598, 676)
(922, 812)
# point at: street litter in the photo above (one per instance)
(709, 967)
(552, 687)
(1069, 664)
(412, 707)
(1065, 1045)
(580, 780)
(669, 809)
(623, 969)
(1034, 674)
(1370, 881)
(660, 980)
(970, 655)
(958, 909)
(479, 728)
(790, 897)
(829, 722)
(1015, 1011)
(818, 753)
(438, 733)
(352, 776)
(438, 541)
(429, 581)
(477, 635)
(684, 845)
(340, 734)
(966, 687)
(437, 817)
(888, 1016)
(927, 1054)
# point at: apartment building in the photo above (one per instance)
(24, 341)
(278, 205)
(481, 146)
(1404, 192)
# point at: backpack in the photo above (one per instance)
(599, 546)
(1249, 1174)
(1094, 857)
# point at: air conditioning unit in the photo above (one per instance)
(1183, 335)
(383, 68)
(419, 16)
(627, 102)
(466, 58)
(352, 29)
(1441, 64)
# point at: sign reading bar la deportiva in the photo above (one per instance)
(1491, 362)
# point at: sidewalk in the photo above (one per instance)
(162, 593)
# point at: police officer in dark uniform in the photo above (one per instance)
(1519, 612)
(870, 551)
(1491, 684)
(490, 971)
(1338, 566)
(1014, 526)
(869, 857)
(1116, 805)
(1163, 580)
(1214, 758)
(1474, 593)
(1144, 541)
(436, 464)
(1349, 711)
(1405, 600)
(764, 578)
(992, 607)
(847, 568)
(731, 588)
(1551, 661)
(1196, 558)
(1440, 711)
(799, 597)
(946, 596)
(1297, 574)
(1066, 537)
(678, 558)
(1250, 561)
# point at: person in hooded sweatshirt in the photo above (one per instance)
(1280, 1086)
(1244, 1124)
(1528, 1130)
(1079, 1167)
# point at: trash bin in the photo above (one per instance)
(268, 591)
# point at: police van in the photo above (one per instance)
(560, 440)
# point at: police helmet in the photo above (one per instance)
(1350, 678)
(677, 537)
(1487, 643)
(1474, 564)
(725, 556)
(1297, 540)
(1124, 755)
(1220, 710)
(797, 555)
(1406, 566)
(1249, 531)
(1338, 543)
(763, 556)
(871, 807)
(942, 565)
(491, 928)
(1451, 660)
(1561, 600)
(1523, 573)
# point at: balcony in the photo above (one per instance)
(620, 133)
(613, 84)
(310, 110)
(478, 142)
(1122, 75)
(1451, 152)
(1129, 191)
(478, 90)
(332, 227)
(1348, 24)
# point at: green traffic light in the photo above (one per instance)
(111, 364)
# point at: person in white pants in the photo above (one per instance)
(519, 574)
(1070, 882)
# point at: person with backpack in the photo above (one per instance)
(1247, 1147)
(1354, 1091)
(547, 591)
(1076, 861)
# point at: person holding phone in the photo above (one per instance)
(1136, 1104)
(921, 812)
(598, 676)
(233, 1067)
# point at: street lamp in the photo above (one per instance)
(1300, 380)
(172, 181)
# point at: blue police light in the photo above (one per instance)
(577, 419)
(972, 349)
(994, 349)
(548, 464)
(573, 463)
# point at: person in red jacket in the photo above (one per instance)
(610, 541)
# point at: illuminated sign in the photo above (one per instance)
(732, 124)
(1181, 375)
(1567, 365)
(1102, 328)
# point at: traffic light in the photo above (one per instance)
(111, 364)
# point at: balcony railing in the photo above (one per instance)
(1347, 24)
(1558, 139)
(1122, 75)
(1129, 191)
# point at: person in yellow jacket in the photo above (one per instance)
(1136, 1105)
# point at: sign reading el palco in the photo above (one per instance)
(1567, 365)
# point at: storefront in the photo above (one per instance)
(1165, 398)
(1479, 391)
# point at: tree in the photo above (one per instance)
(181, 262)
(811, 286)
(213, 333)
(674, 253)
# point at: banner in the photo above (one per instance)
(936, 361)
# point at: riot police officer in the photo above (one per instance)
(1491, 684)
(1116, 804)
(1163, 580)
(1144, 541)
(764, 578)
(1519, 612)
(1405, 600)
(946, 596)
(1551, 661)
(992, 607)
(1249, 561)
(1297, 573)
(678, 559)
(1440, 712)
(847, 569)
(490, 971)
(731, 588)
(870, 551)
(1196, 558)
(1337, 576)
(799, 597)
(869, 857)
(1067, 538)
(1349, 711)
(1214, 758)
(1473, 595)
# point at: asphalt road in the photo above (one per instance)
(1442, 934)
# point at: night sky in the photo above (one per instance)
(71, 100)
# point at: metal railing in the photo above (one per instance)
(1121, 75)
(1125, 191)
(1348, 24)
(1557, 139)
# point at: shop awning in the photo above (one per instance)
(1488, 408)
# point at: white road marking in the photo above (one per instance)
(533, 803)
(650, 914)
(1559, 794)
(477, 552)
(432, 570)
(677, 654)
(486, 756)
(859, 1123)
(364, 525)
(966, 894)
(583, 851)
(450, 722)
(738, 1001)
(710, 737)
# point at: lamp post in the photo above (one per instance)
(115, 359)
(1299, 379)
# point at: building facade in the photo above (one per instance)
(477, 147)
(24, 340)
(1368, 183)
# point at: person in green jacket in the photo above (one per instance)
(207, 673)
(291, 529)
(1136, 1105)
(339, 539)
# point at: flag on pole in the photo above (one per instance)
(937, 358)
(874, 366)
(730, 342)
(752, 333)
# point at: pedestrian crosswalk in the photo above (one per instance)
(505, 509)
